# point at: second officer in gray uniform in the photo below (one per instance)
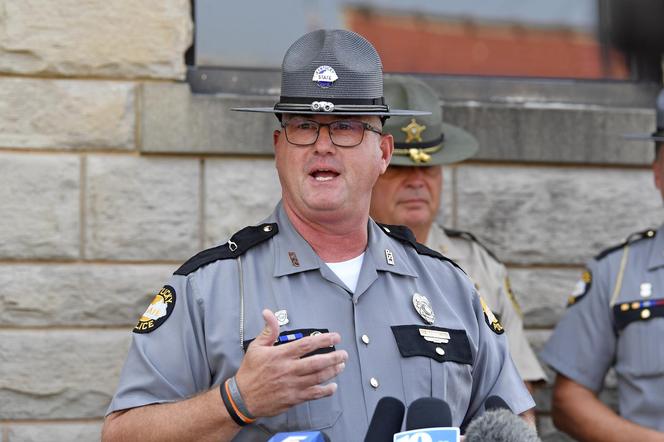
(615, 318)
(306, 320)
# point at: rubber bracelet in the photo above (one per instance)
(236, 396)
(231, 407)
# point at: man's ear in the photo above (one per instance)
(387, 149)
(275, 137)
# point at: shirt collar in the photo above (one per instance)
(294, 255)
(439, 241)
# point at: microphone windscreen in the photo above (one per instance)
(500, 425)
(496, 403)
(428, 412)
(386, 420)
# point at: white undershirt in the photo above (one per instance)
(348, 271)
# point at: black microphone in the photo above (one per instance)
(386, 420)
(500, 425)
(496, 403)
(428, 412)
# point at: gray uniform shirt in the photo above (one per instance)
(617, 319)
(198, 343)
(491, 280)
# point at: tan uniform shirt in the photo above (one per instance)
(491, 280)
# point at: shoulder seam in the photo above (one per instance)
(453, 233)
(634, 237)
(237, 245)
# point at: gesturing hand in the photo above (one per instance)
(275, 378)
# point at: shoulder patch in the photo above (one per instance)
(452, 233)
(158, 311)
(491, 319)
(239, 243)
(634, 237)
(581, 289)
(404, 234)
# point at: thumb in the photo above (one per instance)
(271, 330)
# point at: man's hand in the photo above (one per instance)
(272, 378)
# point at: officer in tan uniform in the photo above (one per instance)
(409, 194)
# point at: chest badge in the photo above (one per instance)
(646, 290)
(423, 308)
(282, 317)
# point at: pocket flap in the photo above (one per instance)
(440, 344)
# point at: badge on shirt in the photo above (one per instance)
(581, 288)
(423, 308)
(158, 311)
(491, 319)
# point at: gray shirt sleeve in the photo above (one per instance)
(168, 362)
(582, 346)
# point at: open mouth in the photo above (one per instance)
(323, 175)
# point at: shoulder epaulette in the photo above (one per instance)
(404, 234)
(239, 243)
(452, 233)
(634, 237)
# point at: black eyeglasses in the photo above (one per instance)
(343, 133)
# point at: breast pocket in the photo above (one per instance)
(436, 362)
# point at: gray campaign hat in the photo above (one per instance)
(332, 72)
(423, 140)
(658, 135)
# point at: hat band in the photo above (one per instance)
(339, 105)
(421, 145)
(419, 156)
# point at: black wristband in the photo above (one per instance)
(229, 405)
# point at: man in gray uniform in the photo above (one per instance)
(615, 318)
(409, 194)
(306, 320)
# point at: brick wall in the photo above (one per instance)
(112, 173)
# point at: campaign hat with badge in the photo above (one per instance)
(423, 140)
(658, 135)
(332, 72)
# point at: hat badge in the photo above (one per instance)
(423, 308)
(324, 76)
(413, 131)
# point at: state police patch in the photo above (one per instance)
(158, 311)
(581, 288)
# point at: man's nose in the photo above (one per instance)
(324, 142)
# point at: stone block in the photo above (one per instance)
(56, 432)
(96, 38)
(40, 206)
(542, 293)
(175, 120)
(238, 193)
(555, 132)
(66, 114)
(78, 295)
(555, 215)
(141, 208)
(49, 374)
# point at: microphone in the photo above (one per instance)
(300, 436)
(427, 412)
(496, 403)
(428, 419)
(500, 425)
(386, 420)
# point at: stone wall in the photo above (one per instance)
(112, 173)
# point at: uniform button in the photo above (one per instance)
(365, 339)
(386, 229)
(440, 351)
(267, 228)
(645, 314)
(374, 382)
